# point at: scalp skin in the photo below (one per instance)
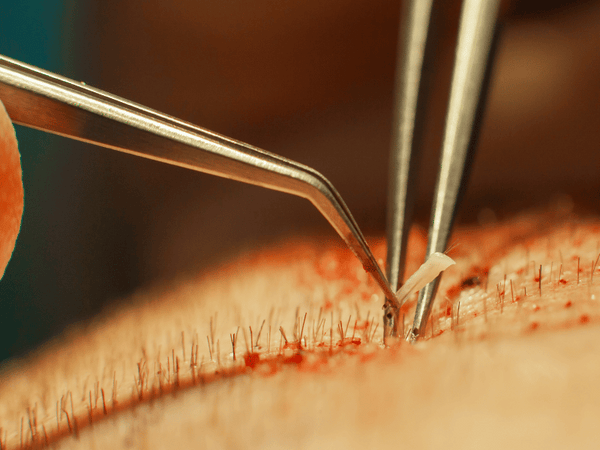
(505, 363)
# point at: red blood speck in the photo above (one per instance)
(328, 305)
(533, 326)
(562, 281)
(294, 359)
(251, 359)
(520, 271)
(536, 308)
(453, 291)
(449, 310)
(345, 342)
(584, 318)
(568, 304)
(293, 346)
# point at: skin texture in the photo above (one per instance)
(11, 189)
(506, 362)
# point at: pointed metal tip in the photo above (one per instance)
(412, 336)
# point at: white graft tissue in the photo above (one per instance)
(430, 269)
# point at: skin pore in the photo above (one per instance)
(508, 359)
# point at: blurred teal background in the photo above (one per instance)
(36, 32)
(43, 289)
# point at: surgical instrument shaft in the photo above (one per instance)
(46, 101)
(416, 48)
(477, 30)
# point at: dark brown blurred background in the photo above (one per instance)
(312, 81)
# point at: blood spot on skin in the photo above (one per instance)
(584, 318)
(296, 358)
(449, 310)
(251, 359)
(293, 346)
(568, 304)
(454, 291)
(346, 342)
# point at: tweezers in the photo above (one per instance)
(477, 35)
(40, 99)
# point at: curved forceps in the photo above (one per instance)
(49, 102)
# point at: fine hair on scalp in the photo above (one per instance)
(222, 352)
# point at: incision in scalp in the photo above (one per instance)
(283, 347)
